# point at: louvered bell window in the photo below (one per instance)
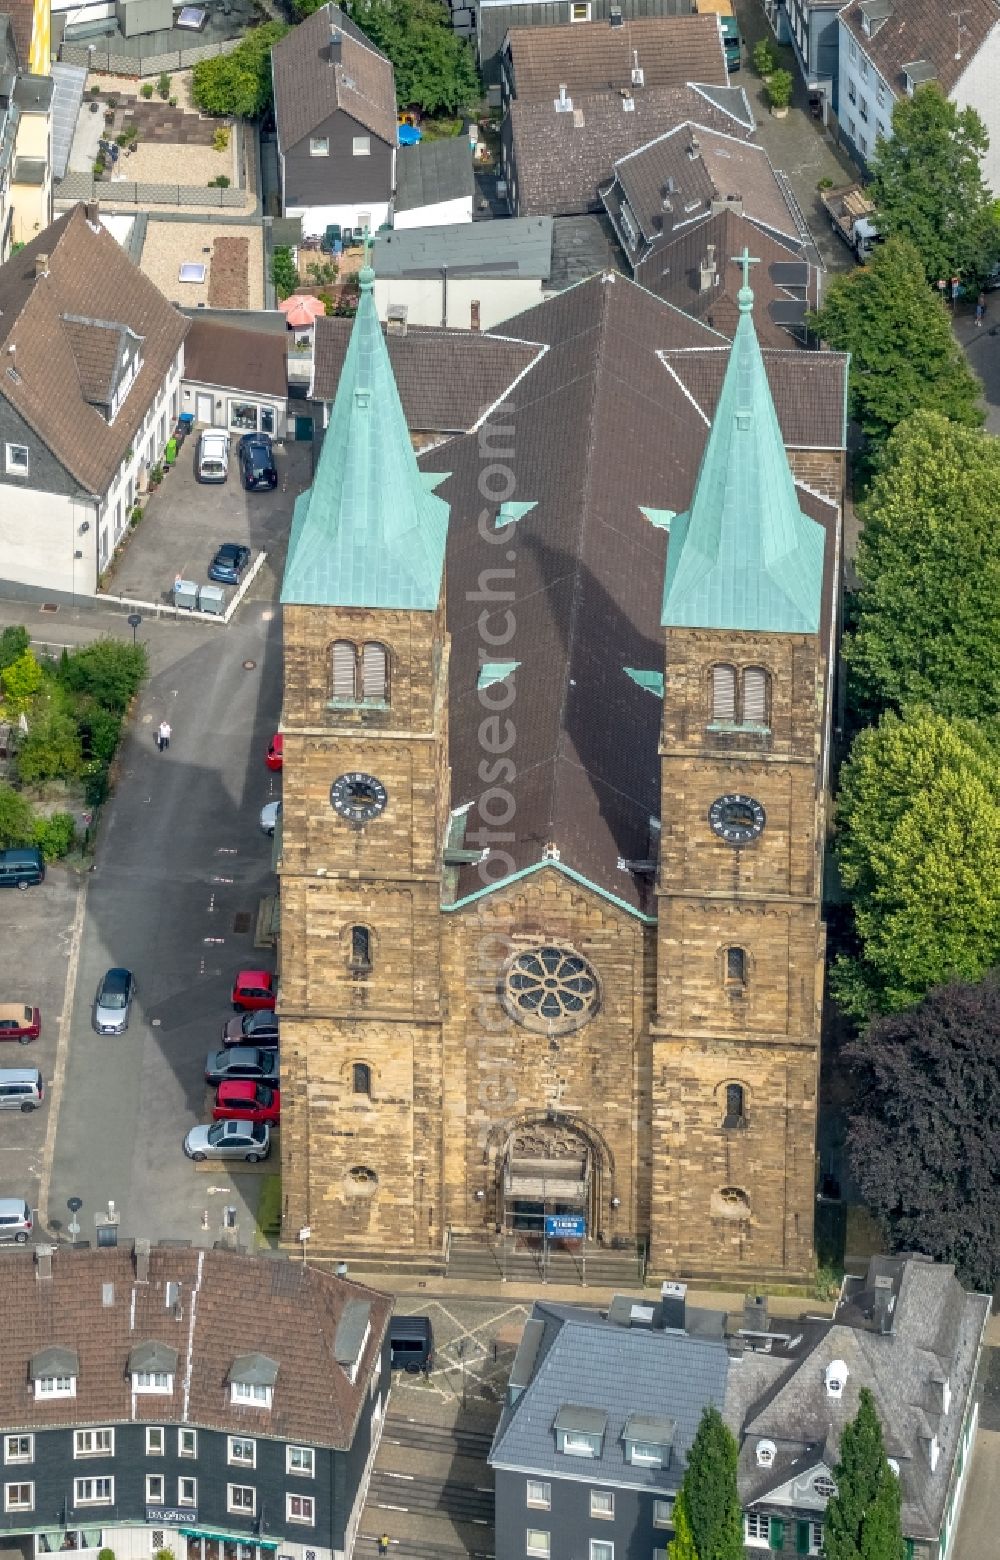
(374, 674)
(343, 669)
(755, 696)
(724, 693)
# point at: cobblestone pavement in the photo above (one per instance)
(474, 1346)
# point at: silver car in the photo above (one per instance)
(113, 1002)
(249, 1140)
(269, 815)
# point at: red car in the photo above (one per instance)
(253, 989)
(18, 1022)
(244, 1100)
(275, 756)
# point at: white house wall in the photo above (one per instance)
(316, 219)
(978, 87)
(498, 299)
(443, 213)
(39, 536)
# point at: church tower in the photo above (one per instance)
(735, 1034)
(365, 800)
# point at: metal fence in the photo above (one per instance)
(125, 192)
(140, 64)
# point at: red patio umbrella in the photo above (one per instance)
(301, 309)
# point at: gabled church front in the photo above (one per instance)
(556, 721)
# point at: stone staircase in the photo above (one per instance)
(431, 1493)
(479, 1262)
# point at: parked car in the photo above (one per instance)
(19, 1022)
(249, 1140)
(259, 1028)
(21, 1088)
(275, 756)
(213, 456)
(257, 462)
(113, 1002)
(20, 866)
(253, 989)
(244, 1100)
(16, 1222)
(269, 815)
(228, 564)
(241, 1062)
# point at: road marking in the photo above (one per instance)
(62, 1052)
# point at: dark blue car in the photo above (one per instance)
(257, 462)
(228, 564)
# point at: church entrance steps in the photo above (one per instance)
(471, 1260)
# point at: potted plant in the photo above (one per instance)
(779, 92)
(763, 58)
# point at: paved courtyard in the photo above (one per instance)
(474, 1346)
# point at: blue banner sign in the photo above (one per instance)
(565, 1226)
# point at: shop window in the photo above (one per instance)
(243, 416)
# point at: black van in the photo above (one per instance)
(21, 866)
(411, 1343)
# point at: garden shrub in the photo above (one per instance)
(54, 836)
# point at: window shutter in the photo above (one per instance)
(343, 669)
(754, 696)
(802, 1537)
(777, 1535)
(723, 693)
(373, 670)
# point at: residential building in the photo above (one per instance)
(236, 374)
(889, 48)
(494, 19)
(93, 355)
(812, 29)
(203, 1402)
(597, 1423)
(686, 202)
(577, 99)
(434, 184)
(484, 1019)
(470, 277)
(335, 112)
(25, 141)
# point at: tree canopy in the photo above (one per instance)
(928, 185)
(711, 1503)
(862, 1519)
(239, 83)
(924, 1166)
(904, 357)
(435, 68)
(928, 611)
(681, 1546)
(919, 851)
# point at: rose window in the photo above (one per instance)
(550, 989)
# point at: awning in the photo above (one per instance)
(227, 1538)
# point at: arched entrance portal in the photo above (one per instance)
(548, 1166)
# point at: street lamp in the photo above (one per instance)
(74, 1204)
(134, 622)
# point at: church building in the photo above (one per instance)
(557, 707)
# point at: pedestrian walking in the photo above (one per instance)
(980, 308)
(383, 1544)
(163, 735)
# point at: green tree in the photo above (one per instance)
(862, 1520)
(435, 68)
(13, 643)
(283, 272)
(239, 83)
(711, 1500)
(17, 821)
(21, 681)
(109, 671)
(904, 357)
(928, 186)
(51, 749)
(919, 852)
(928, 611)
(681, 1546)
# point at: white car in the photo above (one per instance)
(269, 815)
(213, 456)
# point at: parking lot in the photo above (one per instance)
(186, 520)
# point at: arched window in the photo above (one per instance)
(361, 1078)
(735, 1106)
(755, 690)
(361, 948)
(343, 661)
(736, 967)
(724, 693)
(374, 673)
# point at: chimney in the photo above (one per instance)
(142, 1261)
(673, 1305)
(474, 310)
(43, 1261)
(92, 212)
(335, 45)
(41, 266)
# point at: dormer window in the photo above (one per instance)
(766, 1452)
(580, 1431)
(152, 1367)
(251, 1380)
(152, 1381)
(54, 1373)
(835, 1377)
(253, 1392)
(55, 1386)
(351, 1338)
(933, 1452)
(648, 1441)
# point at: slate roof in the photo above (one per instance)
(936, 1332)
(593, 57)
(613, 416)
(285, 1312)
(446, 378)
(238, 356)
(308, 88)
(433, 172)
(514, 247)
(614, 1374)
(918, 30)
(89, 276)
(562, 159)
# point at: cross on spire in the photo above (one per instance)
(745, 295)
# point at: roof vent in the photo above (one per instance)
(578, 119)
(835, 1377)
(693, 147)
(563, 104)
(673, 1305)
(628, 103)
(766, 1453)
(43, 1261)
(142, 1261)
(41, 266)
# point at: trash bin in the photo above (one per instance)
(185, 593)
(210, 599)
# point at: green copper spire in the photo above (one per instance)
(369, 532)
(744, 556)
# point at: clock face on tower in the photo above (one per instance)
(358, 797)
(736, 819)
